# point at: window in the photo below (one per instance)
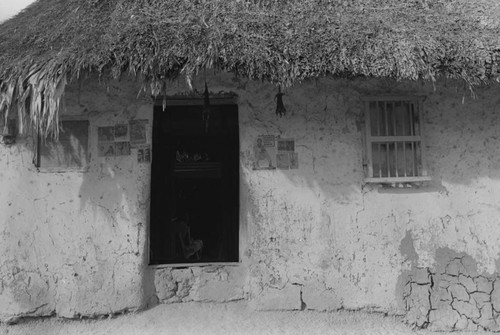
(69, 152)
(393, 140)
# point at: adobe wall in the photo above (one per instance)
(73, 243)
(315, 237)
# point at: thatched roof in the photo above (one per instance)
(282, 41)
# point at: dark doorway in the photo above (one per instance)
(194, 185)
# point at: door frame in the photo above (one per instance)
(224, 99)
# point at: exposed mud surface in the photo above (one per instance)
(229, 318)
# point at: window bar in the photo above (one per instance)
(379, 158)
(413, 158)
(386, 121)
(394, 131)
(388, 162)
(412, 119)
(396, 158)
(395, 142)
(403, 112)
(378, 118)
(418, 158)
(404, 158)
(416, 131)
(417, 121)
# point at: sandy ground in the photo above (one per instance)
(208, 318)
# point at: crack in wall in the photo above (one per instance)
(303, 305)
(455, 299)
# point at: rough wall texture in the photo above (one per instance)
(452, 295)
(212, 283)
(316, 237)
(72, 243)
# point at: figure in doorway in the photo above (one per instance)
(189, 246)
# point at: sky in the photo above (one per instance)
(9, 8)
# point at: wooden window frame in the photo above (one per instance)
(419, 171)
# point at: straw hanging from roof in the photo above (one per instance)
(283, 42)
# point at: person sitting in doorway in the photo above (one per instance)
(189, 246)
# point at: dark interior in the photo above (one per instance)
(194, 185)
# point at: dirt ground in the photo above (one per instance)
(208, 318)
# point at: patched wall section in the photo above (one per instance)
(452, 295)
(211, 283)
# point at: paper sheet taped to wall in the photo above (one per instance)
(271, 152)
(265, 153)
(286, 157)
(138, 132)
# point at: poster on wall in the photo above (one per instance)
(138, 132)
(286, 157)
(144, 154)
(122, 148)
(113, 141)
(121, 133)
(265, 153)
(106, 149)
(282, 160)
(106, 134)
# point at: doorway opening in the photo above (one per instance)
(194, 215)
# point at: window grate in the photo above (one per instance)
(393, 140)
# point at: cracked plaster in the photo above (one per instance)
(452, 295)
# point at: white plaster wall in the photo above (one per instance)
(73, 242)
(315, 237)
(321, 229)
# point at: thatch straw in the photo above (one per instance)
(279, 41)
